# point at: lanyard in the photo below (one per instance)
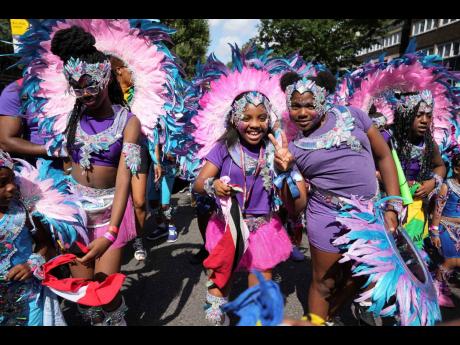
(247, 195)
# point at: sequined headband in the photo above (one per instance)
(5, 160)
(305, 85)
(99, 71)
(253, 97)
(406, 104)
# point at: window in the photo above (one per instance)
(449, 49)
(447, 21)
(423, 25)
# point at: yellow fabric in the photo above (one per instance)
(314, 319)
(415, 225)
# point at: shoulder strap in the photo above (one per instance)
(119, 123)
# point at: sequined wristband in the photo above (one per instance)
(209, 187)
(35, 263)
(132, 153)
(395, 205)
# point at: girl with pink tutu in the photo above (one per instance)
(233, 125)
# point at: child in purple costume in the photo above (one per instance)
(244, 141)
(334, 152)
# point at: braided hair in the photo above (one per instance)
(76, 42)
(401, 128)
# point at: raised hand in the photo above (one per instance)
(284, 160)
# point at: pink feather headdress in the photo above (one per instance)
(216, 103)
(373, 84)
(142, 55)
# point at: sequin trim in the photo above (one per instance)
(96, 143)
(132, 153)
(11, 226)
(341, 133)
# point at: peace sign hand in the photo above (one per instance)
(284, 160)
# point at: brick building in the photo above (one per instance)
(433, 36)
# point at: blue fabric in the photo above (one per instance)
(447, 245)
(262, 303)
(23, 244)
(34, 312)
(451, 209)
(163, 193)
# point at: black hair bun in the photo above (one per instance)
(325, 79)
(73, 41)
(288, 78)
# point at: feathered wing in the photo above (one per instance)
(367, 245)
(45, 194)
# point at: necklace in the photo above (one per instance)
(253, 170)
(341, 133)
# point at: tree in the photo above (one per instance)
(333, 42)
(7, 74)
(190, 42)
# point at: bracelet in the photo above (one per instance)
(209, 187)
(110, 237)
(396, 205)
(114, 229)
(438, 180)
(434, 230)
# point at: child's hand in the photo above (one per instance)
(284, 160)
(221, 188)
(436, 241)
(425, 189)
(97, 248)
(158, 172)
(19, 272)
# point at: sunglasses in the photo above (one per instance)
(92, 90)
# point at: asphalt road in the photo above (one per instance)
(167, 290)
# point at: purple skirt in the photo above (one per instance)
(322, 226)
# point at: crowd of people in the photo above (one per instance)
(366, 166)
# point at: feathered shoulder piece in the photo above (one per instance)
(139, 43)
(45, 194)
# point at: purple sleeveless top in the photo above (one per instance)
(91, 126)
(259, 202)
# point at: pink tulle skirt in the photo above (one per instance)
(127, 230)
(267, 246)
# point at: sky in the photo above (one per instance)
(224, 31)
